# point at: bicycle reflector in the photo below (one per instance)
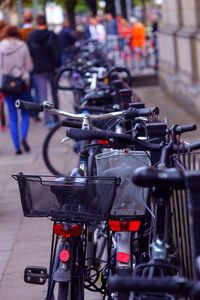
(64, 255)
(102, 142)
(72, 231)
(131, 226)
(123, 257)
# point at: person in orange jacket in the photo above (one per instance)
(137, 40)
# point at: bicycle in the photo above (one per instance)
(158, 246)
(85, 118)
(160, 277)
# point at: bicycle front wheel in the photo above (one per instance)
(52, 149)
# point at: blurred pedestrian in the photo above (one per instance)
(27, 26)
(111, 32)
(123, 33)
(67, 39)
(25, 31)
(154, 32)
(15, 60)
(137, 42)
(101, 31)
(96, 30)
(2, 112)
(45, 52)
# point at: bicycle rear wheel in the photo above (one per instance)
(52, 145)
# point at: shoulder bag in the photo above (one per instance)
(11, 84)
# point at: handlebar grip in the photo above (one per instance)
(156, 284)
(188, 147)
(132, 113)
(25, 105)
(151, 177)
(82, 134)
(185, 128)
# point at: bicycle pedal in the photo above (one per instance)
(35, 275)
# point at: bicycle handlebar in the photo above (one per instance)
(46, 106)
(92, 134)
(70, 123)
(49, 107)
(163, 285)
(82, 134)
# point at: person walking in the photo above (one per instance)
(45, 52)
(123, 35)
(67, 39)
(27, 26)
(2, 112)
(96, 30)
(25, 31)
(137, 42)
(154, 31)
(15, 60)
(111, 32)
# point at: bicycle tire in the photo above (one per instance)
(77, 279)
(71, 83)
(52, 145)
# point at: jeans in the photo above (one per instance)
(41, 82)
(13, 118)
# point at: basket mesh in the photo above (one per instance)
(77, 198)
(130, 199)
(180, 204)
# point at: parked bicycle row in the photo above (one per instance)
(125, 219)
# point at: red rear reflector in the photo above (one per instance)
(102, 142)
(75, 230)
(134, 225)
(58, 229)
(124, 225)
(64, 255)
(114, 225)
(123, 257)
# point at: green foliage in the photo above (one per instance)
(81, 7)
(139, 2)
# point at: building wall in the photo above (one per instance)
(179, 41)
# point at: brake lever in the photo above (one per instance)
(65, 140)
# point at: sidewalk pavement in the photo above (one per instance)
(26, 241)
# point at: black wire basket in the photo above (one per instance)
(185, 214)
(67, 198)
